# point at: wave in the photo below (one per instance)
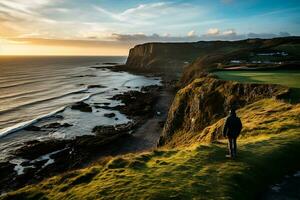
(20, 82)
(43, 100)
(21, 94)
(23, 125)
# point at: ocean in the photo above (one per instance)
(40, 90)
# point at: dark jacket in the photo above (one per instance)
(232, 126)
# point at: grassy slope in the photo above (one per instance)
(265, 117)
(268, 149)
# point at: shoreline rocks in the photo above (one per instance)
(109, 115)
(96, 86)
(112, 130)
(56, 125)
(83, 107)
(70, 154)
(110, 63)
(137, 103)
(32, 128)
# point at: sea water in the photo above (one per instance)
(35, 90)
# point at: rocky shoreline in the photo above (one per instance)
(37, 160)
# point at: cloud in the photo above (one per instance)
(108, 13)
(154, 13)
(213, 31)
(216, 32)
(191, 33)
(23, 10)
(146, 11)
(284, 34)
(61, 19)
(268, 35)
(229, 34)
(140, 13)
(142, 38)
(20, 17)
(61, 10)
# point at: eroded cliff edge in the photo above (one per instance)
(207, 100)
(162, 57)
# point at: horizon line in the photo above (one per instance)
(51, 55)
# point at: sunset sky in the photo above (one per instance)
(111, 27)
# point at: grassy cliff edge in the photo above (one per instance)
(268, 149)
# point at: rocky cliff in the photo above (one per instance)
(171, 57)
(195, 57)
(206, 100)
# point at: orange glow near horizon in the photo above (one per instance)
(31, 50)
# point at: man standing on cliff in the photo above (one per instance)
(232, 129)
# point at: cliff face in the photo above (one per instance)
(207, 100)
(203, 56)
(171, 57)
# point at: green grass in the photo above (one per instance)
(202, 172)
(199, 171)
(286, 78)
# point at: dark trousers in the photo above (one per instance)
(232, 146)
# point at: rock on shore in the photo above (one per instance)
(83, 107)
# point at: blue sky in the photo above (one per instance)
(178, 17)
(132, 21)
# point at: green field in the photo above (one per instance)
(286, 78)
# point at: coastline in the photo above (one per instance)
(43, 159)
(191, 160)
